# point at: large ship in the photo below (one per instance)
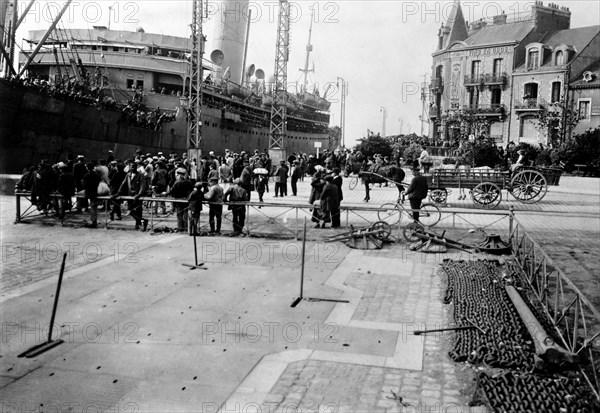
(93, 90)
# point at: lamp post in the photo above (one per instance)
(344, 93)
(384, 111)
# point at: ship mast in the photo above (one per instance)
(308, 50)
(194, 132)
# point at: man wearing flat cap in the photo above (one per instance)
(215, 208)
(134, 185)
(236, 193)
(181, 189)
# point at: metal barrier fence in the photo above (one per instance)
(574, 317)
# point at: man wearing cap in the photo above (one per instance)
(295, 176)
(416, 192)
(195, 200)
(134, 185)
(281, 175)
(237, 194)
(329, 201)
(215, 209)
(520, 161)
(246, 179)
(181, 189)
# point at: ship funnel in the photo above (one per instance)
(250, 71)
(217, 57)
(260, 74)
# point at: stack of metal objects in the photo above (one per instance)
(500, 344)
(476, 290)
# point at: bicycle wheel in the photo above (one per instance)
(429, 215)
(389, 213)
(353, 182)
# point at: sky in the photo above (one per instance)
(382, 49)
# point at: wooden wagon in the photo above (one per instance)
(528, 185)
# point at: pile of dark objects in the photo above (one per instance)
(499, 346)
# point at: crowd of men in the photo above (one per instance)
(230, 178)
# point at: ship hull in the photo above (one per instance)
(35, 126)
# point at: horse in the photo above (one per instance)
(384, 174)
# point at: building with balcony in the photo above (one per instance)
(480, 71)
(542, 81)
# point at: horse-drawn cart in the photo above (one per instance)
(528, 185)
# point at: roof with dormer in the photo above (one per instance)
(578, 39)
(581, 83)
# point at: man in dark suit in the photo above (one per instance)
(330, 202)
(417, 192)
(134, 185)
(296, 173)
(337, 181)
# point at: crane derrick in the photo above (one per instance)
(194, 107)
(277, 132)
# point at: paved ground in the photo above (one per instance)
(144, 333)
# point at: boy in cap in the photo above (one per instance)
(237, 194)
(215, 208)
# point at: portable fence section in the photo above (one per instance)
(574, 317)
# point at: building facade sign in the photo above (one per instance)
(455, 87)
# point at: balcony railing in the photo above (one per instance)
(494, 109)
(530, 104)
(473, 80)
(436, 85)
(495, 79)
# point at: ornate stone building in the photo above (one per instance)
(480, 71)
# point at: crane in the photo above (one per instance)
(277, 131)
(194, 131)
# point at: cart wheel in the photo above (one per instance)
(487, 194)
(410, 232)
(389, 213)
(438, 196)
(385, 230)
(353, 182)
(429, 215)
(528, 186)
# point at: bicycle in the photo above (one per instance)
(392, 213)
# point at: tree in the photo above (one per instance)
(556, 121)
(373, 144)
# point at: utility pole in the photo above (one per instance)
(401, 124)
(279, 109)
(344, 93)
(194, 132)
(384, 120)
(423, 101)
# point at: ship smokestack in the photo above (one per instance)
(229, 35)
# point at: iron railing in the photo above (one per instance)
(574, 318)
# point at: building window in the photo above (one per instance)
(533, 59)
(497, 67)
(531, 91)
(129, 83)
(105, 48)
(475, 66)
(556, 87)
(140, 84)
(559, 58)
(115, 49)
(473, 97)
(527, 127)
(496, 97)
(584, 106)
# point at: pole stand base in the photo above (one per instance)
(40, 348)
(193, 267)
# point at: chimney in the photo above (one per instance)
(500, 19)
(551, 18)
